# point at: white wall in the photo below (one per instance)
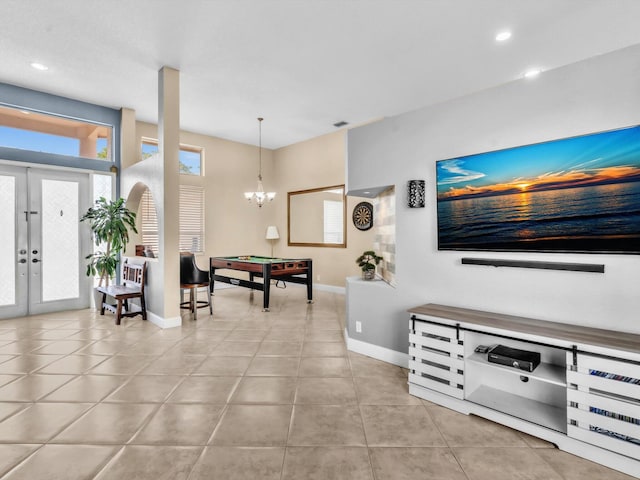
(235, 227)
(232, 225)
(601, 93)
(318, 162)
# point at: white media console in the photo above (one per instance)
(584, 396)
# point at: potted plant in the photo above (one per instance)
(110, 222)
(367, 262)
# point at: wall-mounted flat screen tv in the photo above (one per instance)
(579, 195)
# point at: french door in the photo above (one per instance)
(42, 243)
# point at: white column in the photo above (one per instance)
(169, 214)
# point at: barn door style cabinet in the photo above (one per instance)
(583, 395)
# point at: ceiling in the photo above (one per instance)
(301, 64)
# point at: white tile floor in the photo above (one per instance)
(241, 394)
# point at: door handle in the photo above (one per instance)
(27, 213)
(22, 260)
(35, 260)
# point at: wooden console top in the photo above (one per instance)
(572, 333)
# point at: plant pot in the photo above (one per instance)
(97, 299)
(368, 274)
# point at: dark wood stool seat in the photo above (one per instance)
(133, 278)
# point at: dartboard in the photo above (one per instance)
(363, 216)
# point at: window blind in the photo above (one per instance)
(191, 220)
(149, 222)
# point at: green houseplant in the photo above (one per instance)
(110, 222)
(367, 262)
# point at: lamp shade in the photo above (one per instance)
(272, 233)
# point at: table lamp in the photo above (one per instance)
(272, 235)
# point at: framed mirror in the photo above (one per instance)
(317, 217)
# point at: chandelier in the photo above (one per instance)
(259, 196)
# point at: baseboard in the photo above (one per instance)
(375, 351)
(163, 322)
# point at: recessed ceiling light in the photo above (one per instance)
(502, 36)
(534, 72)
(39, 66)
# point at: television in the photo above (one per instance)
(573, 195)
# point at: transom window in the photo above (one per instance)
(39, 132)
(190, 160)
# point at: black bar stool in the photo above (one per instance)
(192, 278)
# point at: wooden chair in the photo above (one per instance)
(133, 278)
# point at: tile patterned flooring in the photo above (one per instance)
(241, 394)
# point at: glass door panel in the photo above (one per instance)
(43, 244)
(8, 240)
(14, 268)
(60, 240)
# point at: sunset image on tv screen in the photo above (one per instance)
(579, 194)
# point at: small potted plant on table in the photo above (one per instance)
(367, 262)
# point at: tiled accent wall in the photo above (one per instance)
(384, 221)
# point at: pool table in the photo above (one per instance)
(294, 270)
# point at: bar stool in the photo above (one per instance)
(192, 278)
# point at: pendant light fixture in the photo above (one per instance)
(259, 196)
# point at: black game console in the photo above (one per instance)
(512, 357)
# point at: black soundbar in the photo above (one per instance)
(574, 267)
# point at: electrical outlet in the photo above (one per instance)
(358, 327)
(317, 278)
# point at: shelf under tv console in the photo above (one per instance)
(584, 396)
